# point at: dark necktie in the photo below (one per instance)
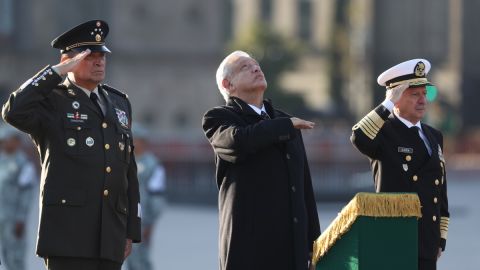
(417, 131)
(265, 115)
(94, 99)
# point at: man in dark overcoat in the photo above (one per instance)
(407, 155)
(89, 199)
(268, 215)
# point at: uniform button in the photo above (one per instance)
(295, 220)
(107, 146)
(288, 156)
(105, 192)
(437, 182)
(434, 218)
(108, 169)
(104, 125)
(293, 188)
(415, 178)
(79, 128)
(408, 158)
(435, 200)
(64, 201)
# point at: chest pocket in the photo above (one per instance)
(124, 143)
(79, 139)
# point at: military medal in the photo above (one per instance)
(89, 141)
(121, 145)
(405, 167)
(71, 142)
(71, 92)
(76, 105)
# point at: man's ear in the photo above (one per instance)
(226, 84)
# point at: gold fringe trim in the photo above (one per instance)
(370, 205)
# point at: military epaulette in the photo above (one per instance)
(115, 91)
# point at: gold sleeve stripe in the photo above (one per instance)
(367, 132)
(444, 221)
(370, 124)
(373, 115)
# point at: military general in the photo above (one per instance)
(268, 215)
(406, 155)
(90, 209)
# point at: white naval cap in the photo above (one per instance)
(413, 72)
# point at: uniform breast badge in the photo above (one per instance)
(89, 141)
(76, 105)
(122, 117)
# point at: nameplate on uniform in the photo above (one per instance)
(405, 150)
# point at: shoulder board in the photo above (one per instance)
(113, 90)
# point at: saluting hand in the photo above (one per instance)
(395, 93)
(69, 64)
(301, 124)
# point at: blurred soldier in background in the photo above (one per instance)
(151, 177)
(17, 178)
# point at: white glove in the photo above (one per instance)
(395, 93)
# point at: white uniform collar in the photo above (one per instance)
(408, 123)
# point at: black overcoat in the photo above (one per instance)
(268, 216)
(400, 163)
(89, 198)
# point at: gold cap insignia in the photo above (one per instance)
(420, 69)
(98, 37)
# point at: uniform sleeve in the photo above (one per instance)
(24, 106)
(135, 211)
(233, 142)
(364, 133)
(444, 213)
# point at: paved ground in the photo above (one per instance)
(186, 236)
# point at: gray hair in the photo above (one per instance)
(224, 71)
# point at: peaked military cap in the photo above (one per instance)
(413, 72)
(89, 35)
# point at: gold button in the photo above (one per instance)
(64, 201)
(104, 125)
(107, 146)
(415, 178)
(105, 192)
(437, 182)
(79, 128)
(434, 218)
(435, 200)
(108, 169)
(408, 158)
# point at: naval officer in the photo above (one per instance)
(89, 199)
(406, 155)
